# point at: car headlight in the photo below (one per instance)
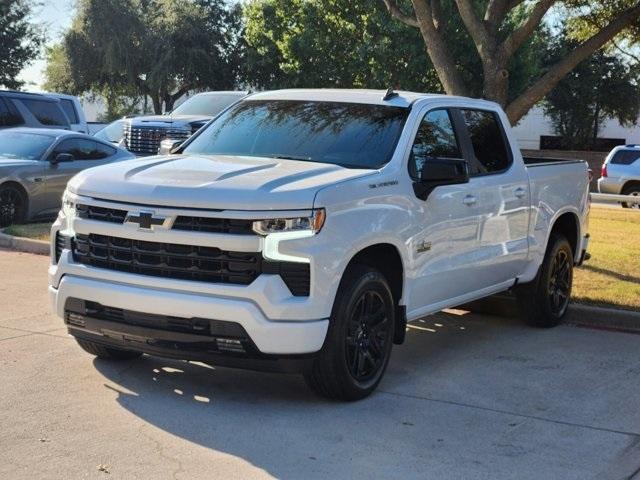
(311, 224)
(68, 205)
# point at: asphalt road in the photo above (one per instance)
(467, 397)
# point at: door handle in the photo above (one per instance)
(469, 200)
(520, 192)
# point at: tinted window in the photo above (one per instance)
(47, 113)
(19, 145)
(112, 132)
(436, 138)
(69, 110)
(82, 149)
(625, 157)
(488, 141)
(348, 134)
(102, 151)
(206, 105)
(9, 116)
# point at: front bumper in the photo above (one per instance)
(269, 337)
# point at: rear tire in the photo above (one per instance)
(358, 345)
(543, 302)
(633, 189)
(13, 205)
(106, 353)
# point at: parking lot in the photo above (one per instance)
(467, 396)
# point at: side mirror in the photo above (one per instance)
(440, 171)
(168, 145)
(62, 157)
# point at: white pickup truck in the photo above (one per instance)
(302, 229)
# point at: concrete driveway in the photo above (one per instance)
(468, 397)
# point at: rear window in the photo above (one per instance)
(348, 134)
(69, 110)
(625, 157)
(488, 141)
(47, 113)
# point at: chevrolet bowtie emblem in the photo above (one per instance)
(144, 220)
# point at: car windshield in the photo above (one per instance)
(352, 135)
(21, 145)
(207, 105)
(112, 132)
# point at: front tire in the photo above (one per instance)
(543, 302)
(12, 205)
(358, 346)
(106, 353)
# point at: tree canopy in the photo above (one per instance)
(593, 23)
(20, 40)
(158, 48)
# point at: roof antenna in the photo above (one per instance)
(389, 94)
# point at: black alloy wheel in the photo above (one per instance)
(368, 332)
(559, 285)
(11, 206)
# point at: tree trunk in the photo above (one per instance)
(157, 103)
(496, 83)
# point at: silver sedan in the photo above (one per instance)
(36, 164)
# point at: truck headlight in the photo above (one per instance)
(311, 224)
(68, 205)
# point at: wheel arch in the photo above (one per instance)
(567, 224)
(387, 259)
(25, 195)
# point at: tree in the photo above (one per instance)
(496, 46)
(600, 88)
(158, 48)
(20, 40)
(341, 43)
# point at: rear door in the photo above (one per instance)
(86, 153)
(498, 197)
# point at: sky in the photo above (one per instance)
(55, 16)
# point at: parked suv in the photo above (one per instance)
(22, 109)
(621, 173)
(143, 135)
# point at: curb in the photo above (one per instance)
(39, 247)
(578, 314)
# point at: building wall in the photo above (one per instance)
(535, 124)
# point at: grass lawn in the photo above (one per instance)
(612, 276)
(37, 231)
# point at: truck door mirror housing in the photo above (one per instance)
(62, 157)
(437, 172)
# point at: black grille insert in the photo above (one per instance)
(101, 214)
(214, 225)
(185, 262)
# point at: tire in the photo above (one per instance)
(106, 353)
(543, 302)
(633, 189)
(358, 345)
(13, 205)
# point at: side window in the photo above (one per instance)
(488, 141)
(9, 116)
(70, 110)
(47, 113)
(100, 150)
(625, 157)
(80, 148)
(435, 138)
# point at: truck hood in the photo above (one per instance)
(218, 182)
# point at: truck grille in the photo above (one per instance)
(146, 140)
(191, 224)
(185, 262)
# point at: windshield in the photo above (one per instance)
(112, 132)
(23, 145)
(207, 105)
(348, 134)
